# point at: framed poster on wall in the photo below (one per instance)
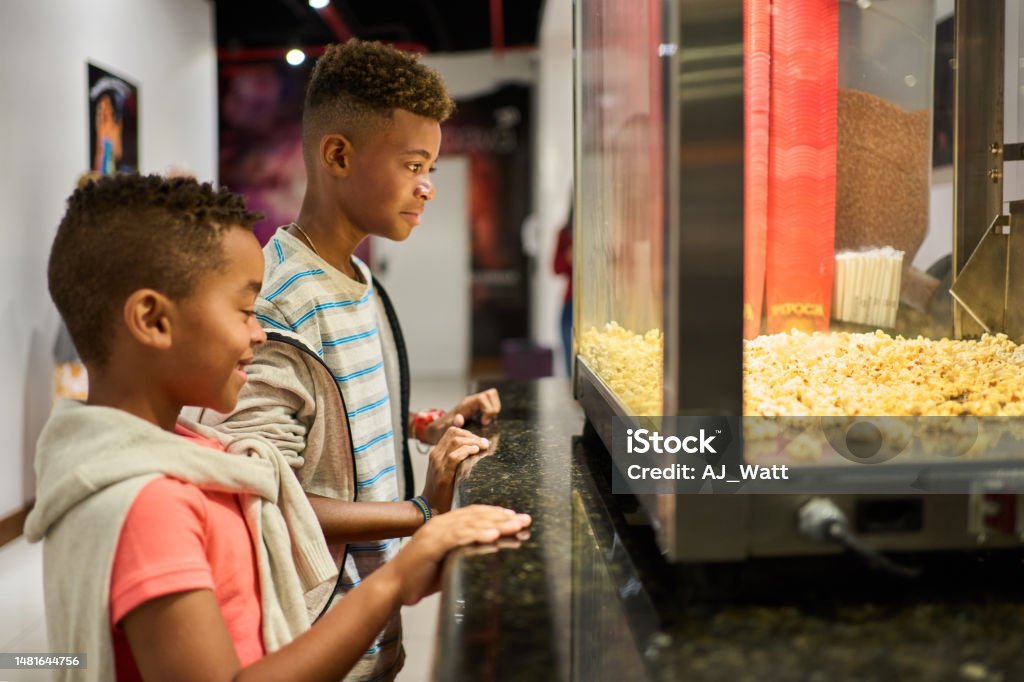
(113, 123)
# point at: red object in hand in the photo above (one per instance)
(422, 419)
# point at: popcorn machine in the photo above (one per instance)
(753, 183)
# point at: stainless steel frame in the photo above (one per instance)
(978, 140)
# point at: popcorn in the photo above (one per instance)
(631, 365)
(831, 374)
(806, 446)
(798, 374)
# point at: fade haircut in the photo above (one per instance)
(128, 232)
(355, 88)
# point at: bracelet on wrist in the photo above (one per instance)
(422, 419)
(424, 507)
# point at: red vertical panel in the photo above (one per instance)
(757, 44)
(802, 164)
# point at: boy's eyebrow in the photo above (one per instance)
(419, 152)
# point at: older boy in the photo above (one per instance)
(330, 388)
(171, 553)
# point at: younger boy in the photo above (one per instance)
(171, 552)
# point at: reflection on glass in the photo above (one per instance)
(620, 233)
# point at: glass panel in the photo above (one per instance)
(619, 229)
(849, 98)
(886, 63)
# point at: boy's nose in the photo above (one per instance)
(425, 190)
(256, 335)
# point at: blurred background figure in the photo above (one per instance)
(563, 266)
(108, 134)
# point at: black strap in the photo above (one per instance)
(403, 380)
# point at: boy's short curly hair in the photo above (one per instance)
(359, 84)
(128, 232)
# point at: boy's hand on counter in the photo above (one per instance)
(455, 445)
(482, 407)
(418, 565)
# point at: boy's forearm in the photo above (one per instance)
(333, 646)
(359, 521)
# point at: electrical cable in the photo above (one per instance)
(821, 520)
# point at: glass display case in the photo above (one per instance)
(753, 184)
(635, 176)
(621, 182)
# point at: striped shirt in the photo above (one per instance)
(344, 323)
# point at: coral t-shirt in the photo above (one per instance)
(178, 538)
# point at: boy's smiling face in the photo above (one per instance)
(214, 329)
(388, 182)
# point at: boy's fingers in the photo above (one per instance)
(475, 444)
(490, 405)
(456, 456)
(457, 432)
(487, 535)
(470, 439)
(503, 520)
(487, 513)
(524, 520)
(513, 527)
(450, 439)
(516, 524)
(476, 514)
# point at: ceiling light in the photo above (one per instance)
(295, 56)
(319, 4)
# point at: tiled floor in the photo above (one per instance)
(22, 623)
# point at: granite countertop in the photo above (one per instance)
(504, 614)
(587, 596)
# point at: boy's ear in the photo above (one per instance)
(336, 154)
(147, 316)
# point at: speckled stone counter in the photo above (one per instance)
(588, 597)
(505, 614)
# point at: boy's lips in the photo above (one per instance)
(413, 215)
(242, 364)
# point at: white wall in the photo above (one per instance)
(553, 167)
(471, 74)
(167, 48)
(428, 278)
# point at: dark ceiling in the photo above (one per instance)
(251, 28)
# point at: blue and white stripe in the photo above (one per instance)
(343, 320)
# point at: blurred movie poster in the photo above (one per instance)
(494, 132)
(113, 123)
(261, 138)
